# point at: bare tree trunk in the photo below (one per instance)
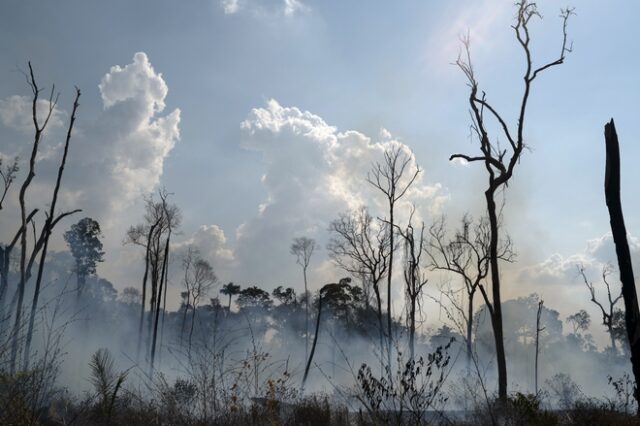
(538, 330)
(619, 231)
(144, 288)
(496, 317)
(412, 328)
(313, 346)
(391, 250)
(47, 229)
(23, 212)
(306, 313)
(469, 331)
(157, 313)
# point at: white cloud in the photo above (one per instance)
(230, 6)
(114, 158)
(16, 112)
(313, 172)
(559, 270)
(262, 8)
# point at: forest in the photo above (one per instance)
(395, 314)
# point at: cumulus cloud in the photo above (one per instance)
(115, 157)
(16, 113)
(313, 172)
(212, 243)
(559, 269)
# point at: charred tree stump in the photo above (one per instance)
(612, 195)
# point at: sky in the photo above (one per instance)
(262, 117)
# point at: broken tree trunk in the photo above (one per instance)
(612, 195)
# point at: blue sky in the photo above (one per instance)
(358, 66)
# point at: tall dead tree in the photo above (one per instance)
(500, 162)
(199, 278)
(302, 248)
(393, 178)
(608, 314)
(360, 248)
(47, 229)
(51, 220)
(465, 254)
(154, 235)
(414, 277)
(8, 174)
(538, 331)
(619, 231)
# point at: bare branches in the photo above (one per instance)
(8, 175)
(387, 176)
(495, 159)
(609, 311)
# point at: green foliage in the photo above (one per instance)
(84, 242)
(106, 381)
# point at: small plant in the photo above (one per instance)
(106, 382)
(624, 389)
(414, 388)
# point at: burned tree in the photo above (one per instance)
(608, 313)
(414, 277)
(199, 278)
(619, 231)
(302, 248)
(392, 177)
(362, 249)
(52, 219)
(499, 161)
(465, 254)
(8, 174)
(154, 235)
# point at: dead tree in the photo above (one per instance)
(608, 313)
(199, 278)
(171, 216)
(51, 220)
(414, 277)
(47, 228)
(465, 254)
(500, 161)
(360, 249)
(8, 175)
(160, 219)
(302, 248)
(389, 178)
(619, 231)
(538, 331)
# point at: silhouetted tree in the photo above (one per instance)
(285, 296)
(499, 161)
(199, 278)
(230, 289)
(389, 178)
(8, 174)
(254, 297)
(608, 312)
(363, 250)
(42, 241)
(619, 232)
(84, 243)
(414, 277)
(154, 235)
(465, 254)
(302, 248)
